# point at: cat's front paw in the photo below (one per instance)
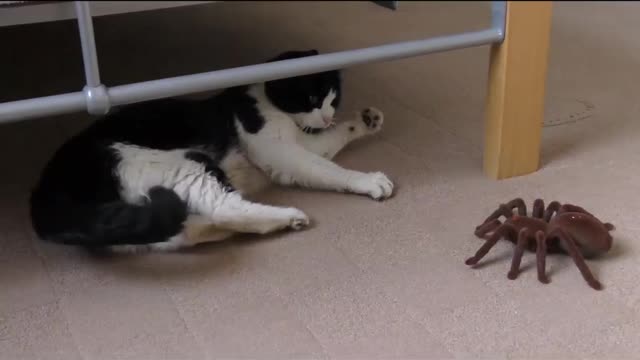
(298, 220)
(377, 185)
(372, 119)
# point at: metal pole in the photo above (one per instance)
(42, 106)
(182, 85)
(499, 17)
(97, 96)
(87, 40)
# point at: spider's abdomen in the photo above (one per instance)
(591, 235)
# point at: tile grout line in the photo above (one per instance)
(165, 290)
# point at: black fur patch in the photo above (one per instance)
(302, 94)
(211, 167)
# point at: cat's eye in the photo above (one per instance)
(313, 99)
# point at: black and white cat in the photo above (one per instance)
(172, 173)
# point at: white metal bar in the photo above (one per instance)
(96, 95)
(87, 40)
(42, 106)
(220, 79)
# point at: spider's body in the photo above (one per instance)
(572, 230)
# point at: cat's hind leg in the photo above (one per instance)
(217, 209)
(240, 215)
(197, 230)
(235, 215)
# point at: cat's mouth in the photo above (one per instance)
(328, 121)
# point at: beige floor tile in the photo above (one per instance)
(41, 332)
(492, 326)
(354, 318)
(24, 280)
(253, 326)
(125, 321)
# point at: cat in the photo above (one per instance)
(172, 173)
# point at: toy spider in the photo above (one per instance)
(572, 231)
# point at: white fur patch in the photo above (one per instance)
(141, 168)
(327, 110)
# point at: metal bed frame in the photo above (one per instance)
(98, 99)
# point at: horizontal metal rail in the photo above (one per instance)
(98, 99)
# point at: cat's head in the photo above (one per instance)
(311, 100)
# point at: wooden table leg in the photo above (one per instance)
(515, 102)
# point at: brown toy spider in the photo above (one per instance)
(572, 231)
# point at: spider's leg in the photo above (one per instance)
(518, 203)
(502, 210)
(486, 228)
(577, 257)
(553, 208)
(503, 230)
(517, 255)
(505, 210)
(538, 209)
(541, 256)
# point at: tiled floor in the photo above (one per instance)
(369, 280)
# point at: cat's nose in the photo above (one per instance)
(327, 119)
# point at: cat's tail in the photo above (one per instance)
(114, 223)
